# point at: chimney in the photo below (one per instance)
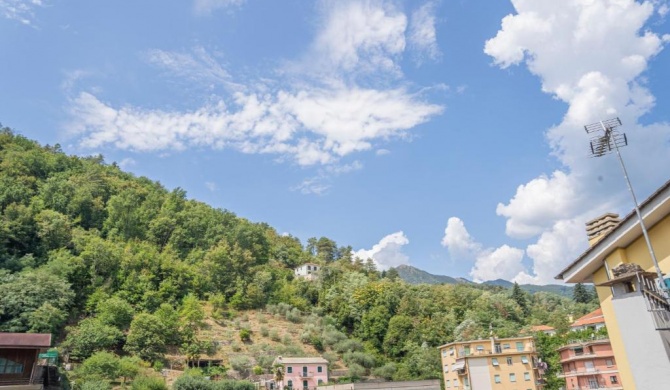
(597, 228)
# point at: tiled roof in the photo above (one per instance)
(541, 328)
(42, 340)
(595, 317)
(302, 360)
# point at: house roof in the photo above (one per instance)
(23, 340)
(541, 328)
(594, 317)
(301, 360)
(653, 209)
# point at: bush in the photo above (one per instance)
(257, 370)
(348, 346)
(264, 331)
(148, 383)
(241, 364)
(245, 335)
(361, 358)
(274, 335)
(286, 340)
(333, 336)
(386, 371)
(356, 371)
(294, 316)
(94, 385)
(187, 382)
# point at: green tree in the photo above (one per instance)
(101, 365)
(90, 336)
(399, 330)
(146, 337)
(519, 296)
(581, 294)
(115, 312)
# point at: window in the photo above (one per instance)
(446, 368)
(451, 351)
(519, 346)
(506, 346)
(512, 377)
(447, 383)
(609, 362)
(526, 376)
(494, 361)
(289, 370)
(309, 268)
(509, 361)
(497, 348)
(304, 370)
(10, 367)
(320, 381)
(614, 380)
(466, 350)
(305, 385)
(524, 359)
(319, 369)
(579, 351)
(444, 353)
(480, 348)
(496, 378)
(290, 384)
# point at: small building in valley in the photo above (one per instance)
(19, 358)
(589, 364)
(309, 271)
(304, 373)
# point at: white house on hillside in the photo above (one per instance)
(309, 271)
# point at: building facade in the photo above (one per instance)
(635, 309)
(589, 364)
(309, 271)
(594, 321)
(504, 364)
(304, 373)
(19, 359)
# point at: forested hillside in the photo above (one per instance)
(107, 261)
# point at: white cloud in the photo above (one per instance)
(591, 56)
(127, 163)
(422, 35)
(458, 240)
(311, 119)
(504, 262)
(20, 10)
(501, 263)
(321, 183)
(382, 152)
(198, 66)
(388, 252)
(358, 37)
(312, 127)
(211, 186)
(205, 7)
(312, 186)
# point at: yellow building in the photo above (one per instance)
(636, 310)
(505, 364)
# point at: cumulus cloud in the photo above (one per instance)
(20, 10)
(504, 262)
(458, 240)
(590, 55)
(422, 36)
(127, 163)
(311, 119)
(388, 252)
(205, 7)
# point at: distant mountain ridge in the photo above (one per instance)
(413, 275)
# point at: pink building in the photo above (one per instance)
(589, 364)
(303, 372)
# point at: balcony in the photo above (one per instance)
(586, 371)
(305, 374)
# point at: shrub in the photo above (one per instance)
(262, 318)
(386, 371)
(257, 370)
(274, 335)
(361, 358)
(187, 382)
(333, 336)
(241, 364)
(294, 316)
(245, 335)
(235, 346)
(286, 340)
(348, 346)
(148, 383)
(264, 331)
(94, 385)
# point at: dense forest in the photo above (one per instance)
(120, 269)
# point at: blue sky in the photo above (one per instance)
(447, 135)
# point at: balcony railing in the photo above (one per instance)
(657, 302)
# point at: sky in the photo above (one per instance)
(448, 135)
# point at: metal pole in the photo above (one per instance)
(639, 214)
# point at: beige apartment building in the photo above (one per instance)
(501, 364)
